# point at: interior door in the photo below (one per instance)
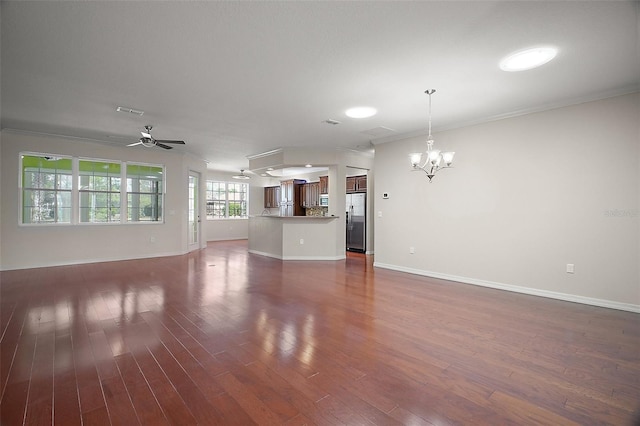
(194, 211)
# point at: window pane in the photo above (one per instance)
(64, 181)
(46, 189)
(226, 200)
(99, 184)
(144, 193)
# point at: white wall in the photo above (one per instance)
(527, 196)
(50, 245)
(237, 229)
(1, 179)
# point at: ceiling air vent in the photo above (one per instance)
(129, 110)
(378, 132)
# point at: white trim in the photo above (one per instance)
(265, 154)
(84, 261)
(264, 253)
(340, 257)
(275, 256)
(59, 135)
(516, 289)
(627, 90)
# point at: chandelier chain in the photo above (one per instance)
(430, 92)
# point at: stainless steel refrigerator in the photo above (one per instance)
(356, 221)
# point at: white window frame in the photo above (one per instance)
(226, 199)
(161, 194)
(21, 190)
(75, 192)
(93, 191)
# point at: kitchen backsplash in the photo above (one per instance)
(317, 211)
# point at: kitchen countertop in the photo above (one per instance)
(273, 216)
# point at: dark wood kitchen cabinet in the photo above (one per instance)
(290, 201)
(324, 184)
(271, 197)
(357, 184)
(311, 194)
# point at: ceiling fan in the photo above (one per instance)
(148, 140)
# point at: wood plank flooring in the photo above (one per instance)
(223, 337)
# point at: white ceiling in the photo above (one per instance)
(239, 78)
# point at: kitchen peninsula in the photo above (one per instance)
(296, 237)
(320, 174)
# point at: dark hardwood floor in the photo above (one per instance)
(220, 336)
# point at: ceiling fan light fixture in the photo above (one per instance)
(147, 142)
(527, 59)
(241, 176)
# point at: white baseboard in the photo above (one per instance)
(85, 261)
(516, 289)
(264, 253)
(275, 256)
(238, 238)
(342, 257)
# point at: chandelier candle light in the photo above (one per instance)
(434, 159)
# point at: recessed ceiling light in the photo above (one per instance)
(308, 166)
(527, 59)
(361, 112)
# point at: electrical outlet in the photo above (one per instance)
(379, 214)
(570, 268)
(412, 250)
(152, 239)
(301, 241)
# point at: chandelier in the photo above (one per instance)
(434, 160)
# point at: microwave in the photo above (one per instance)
(324, 200)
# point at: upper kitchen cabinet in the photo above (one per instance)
(357, 184)
(324, 184)
(311, 194)
(290, 201)
(271, 197)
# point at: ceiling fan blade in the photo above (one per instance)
(161, 145)
(146, 135)
(169, 141)
(134, 144)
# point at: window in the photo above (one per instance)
(99, 188)
(237, 195)
(145, 189)
(46, 189)
(57, 189)
(227, 200)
